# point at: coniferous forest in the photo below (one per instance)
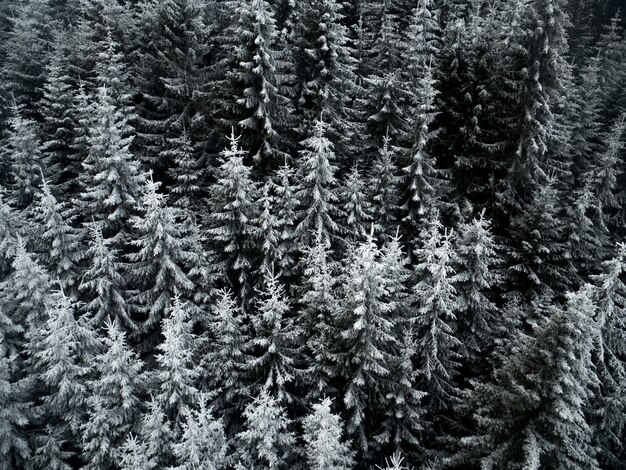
(312, 234)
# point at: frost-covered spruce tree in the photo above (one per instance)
(203, 444)
(267, 440)
(12, 226)
(387, 91)
(538, 257)
(114, 401)
(531, 415)
(111, 180)
(22, 150)
(356, 206)
(258, 75)
(230, 220)
(104, 285)
(383, 186)
(111, 72)
(435, 312)
(61, 354)
(225, 361)
(50, 451)
(276, 343)
(266, 230)
(603, 180)
(475, 261)
(395, 265)
(186, 173)
(26, 46)
(14, 416)
(421, 185)
(319, 211)
(285, 208)
(318, 318)
(60, 122)
(607, 414)
(537, 138)
(173, 44)
(586, 239)
(170, 260)
(156, 432)
(611, 50)
(325, 448)
(25, 293)
(423, 40)
(177, 372)
(326, 73)
(369, 351)
(585, 128)
(58, 243)
(134, 455)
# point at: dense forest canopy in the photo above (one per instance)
(312, 234)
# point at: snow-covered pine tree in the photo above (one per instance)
(325, 72)
(611, 50)
(203, 445)
(60, 121)
(603, 180)
(50, 453)
(423, 39)
(383, 184)
(114, 401)
(155, 437)
(25, 293)
(169, 261)
(26, 46)
(100, 37)
(61, 355)
(186, 173)
(12, 226)
(607, 414)
(356, 207)
(111, 73)
(319, 211)
(395, 265)
(318, 318)
(585, 137)
(369, 352)
(14, 416)
(173, 44)
(267, 440)
(541, 98)
(387, 97)
(177, 372)
(531, 415)
(134, 455)
(230, 221)
(325, 448)
(538, 257)
(58, 242)
(285, 209)
(225, 362)
(112, 180)
(83, 105)
(104, 285)
(266, 231)
(435, 307)
(475, 260)
(258, 74)
(421, 186)
(277, 354)
(22, 150)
